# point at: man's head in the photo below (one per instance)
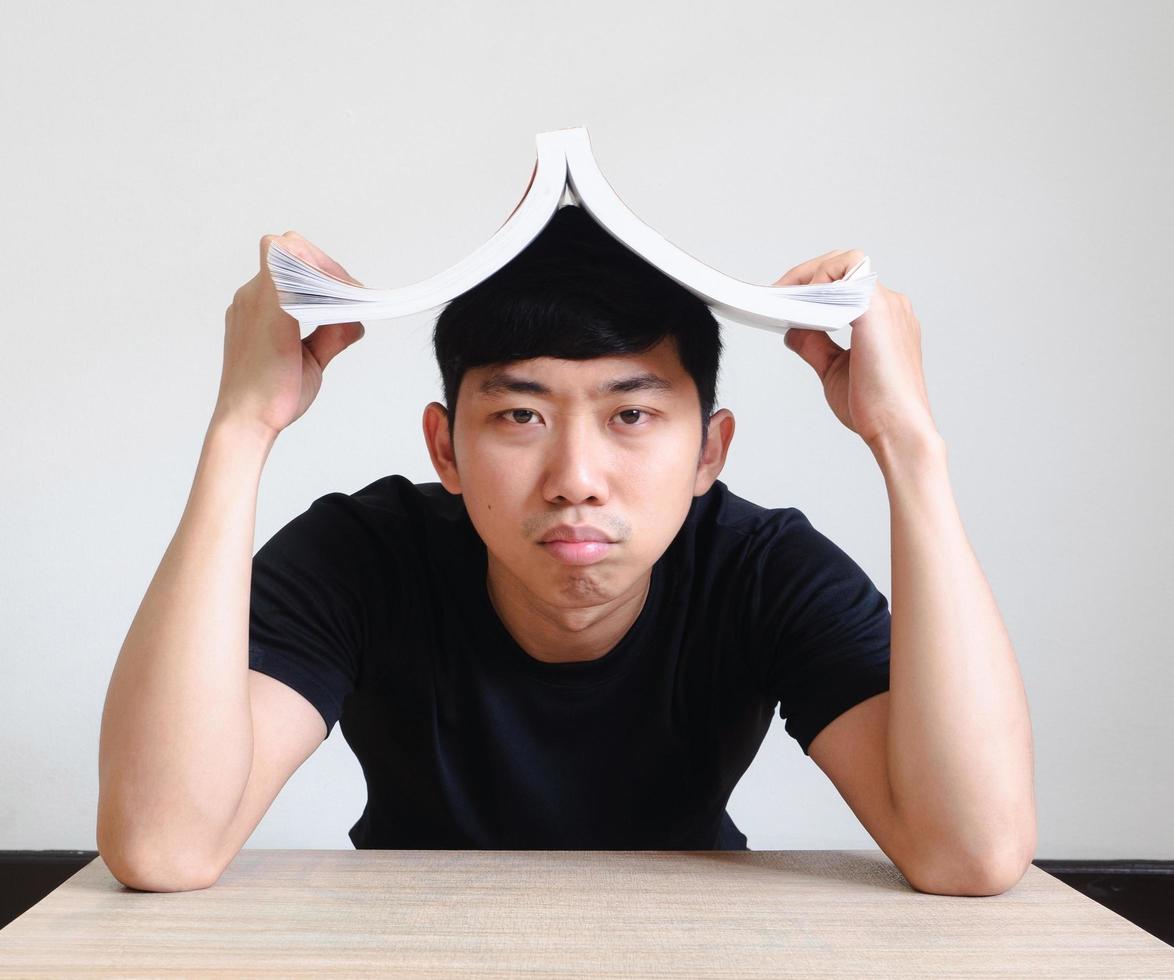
(537, 433)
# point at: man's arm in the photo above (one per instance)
(193, 745)
(176, 744)
(939, 769)
(951, 795)
(960, 759)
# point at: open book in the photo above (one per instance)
(565, 171)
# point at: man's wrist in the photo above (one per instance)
(915, 449)
(238, 428)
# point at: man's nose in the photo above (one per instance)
(579, 460)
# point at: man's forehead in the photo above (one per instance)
(521, 380)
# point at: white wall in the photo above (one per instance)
(1005, 165)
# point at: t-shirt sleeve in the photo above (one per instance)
(820, 629)
(308, 610)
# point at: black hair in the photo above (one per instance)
(574, 293)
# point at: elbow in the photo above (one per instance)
(986, 862)
(149, 870)
(992, 874)
(984, 881)
(983, 878)
(152, 874)
(151, 864)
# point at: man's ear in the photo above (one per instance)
(713, 457)
(438, 436)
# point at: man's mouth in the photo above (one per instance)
(578, 552)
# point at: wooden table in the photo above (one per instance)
(564, 913)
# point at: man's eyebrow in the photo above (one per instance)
(502, 381)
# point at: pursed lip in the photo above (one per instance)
(574, 532)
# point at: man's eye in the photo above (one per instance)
(510, 414)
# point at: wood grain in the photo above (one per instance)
(294, 913)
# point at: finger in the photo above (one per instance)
(815, 347)
(802, 273)
(823, 268)
(330, 339)
(307, 251)
(265, 241)
(322, 260)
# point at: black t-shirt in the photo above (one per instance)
(374, 607)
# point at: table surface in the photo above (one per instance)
(566, 913)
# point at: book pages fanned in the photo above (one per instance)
(566, 172)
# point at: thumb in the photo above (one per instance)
(330, 339)
(814, 346)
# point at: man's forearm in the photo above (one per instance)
(176, 741)
(960, 756)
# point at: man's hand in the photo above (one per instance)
(877, 387)
(271, 374)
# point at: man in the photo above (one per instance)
(579, 636)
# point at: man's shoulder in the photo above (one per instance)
(722, 511)
(392, 500)
(397, 496)
(385, 513)
(757, 546)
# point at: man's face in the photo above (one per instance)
(598, 447)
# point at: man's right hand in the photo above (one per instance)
(270, 375)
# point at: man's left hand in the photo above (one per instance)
(876, 387)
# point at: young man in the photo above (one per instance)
(578, 638)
